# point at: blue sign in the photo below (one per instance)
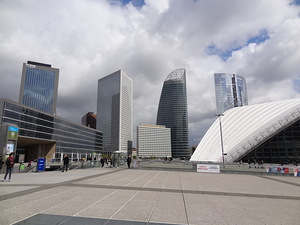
(14, 129)
(41, 164)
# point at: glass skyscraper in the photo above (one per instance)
(231, 91)
(39, 86)
(114, 112)
(172, 112)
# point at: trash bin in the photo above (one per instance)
(21, 167)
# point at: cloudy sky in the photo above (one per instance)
(148, 39)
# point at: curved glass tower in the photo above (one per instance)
(172, 112)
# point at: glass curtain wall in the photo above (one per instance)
(172, 112)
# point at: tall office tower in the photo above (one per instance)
(230, 91)
(39, 86)
(114, 112)
(89, 120)
(172, 112)
(153, 141)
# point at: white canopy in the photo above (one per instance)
(244, 128)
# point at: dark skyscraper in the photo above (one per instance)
(89, 120)
(39, 86)
(172, 112)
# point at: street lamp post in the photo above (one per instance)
(221, 134)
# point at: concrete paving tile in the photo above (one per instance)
(4, 190)
(102, 209)
(246, 202)
(170, 198)
(40, 205)
(83, 220)
(291, 179)
(14, 215)
(89, 192)
(205, 199)
(146, 196)
(253, 210)
(136, 210)
(242, 184)
(65, 211)
(122, 195)
(79, 201)
(124, 180)
(169, 213)
(97, 213)
(107, 204)
(120, 222)
(139, 184)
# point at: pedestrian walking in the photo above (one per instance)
(102, 160)
(128, 161)
(9, 166)
(66, 163)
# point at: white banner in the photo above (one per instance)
(208, 168)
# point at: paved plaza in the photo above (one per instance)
(114, 196)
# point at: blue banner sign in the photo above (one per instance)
(41, 164)
(14, 129)
(12, 133)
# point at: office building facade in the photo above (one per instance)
(153, 141)
(44, 135)
(172, 112)
(39, 86)
(231, 91)
(115, 112)
(89, 120)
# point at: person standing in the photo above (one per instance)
(128, 161)
(66, 163)
(102, 160)
(9, 166)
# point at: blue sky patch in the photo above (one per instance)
(135, 3)
(224, 54)
(227, 53)
(296, 84)
(296, 2)
(262, 37)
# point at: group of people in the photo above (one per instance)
(111, 162)
(10, 161)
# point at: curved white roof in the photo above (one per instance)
(244, 128)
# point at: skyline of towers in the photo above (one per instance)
(39, 86)
(230, 91)
(172, 112)
(115, 111)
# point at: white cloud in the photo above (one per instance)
(89, 39)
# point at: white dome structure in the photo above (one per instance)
(245, 128)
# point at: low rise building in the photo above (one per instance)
(44, 135)
(153, 141)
